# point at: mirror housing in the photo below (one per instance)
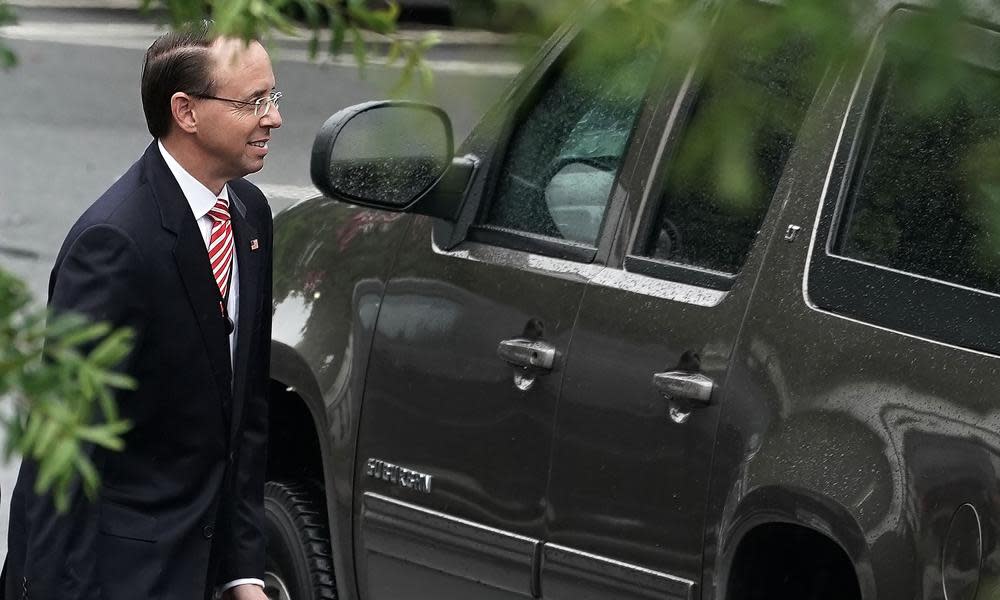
(392, 155)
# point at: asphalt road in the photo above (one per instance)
(72, 123)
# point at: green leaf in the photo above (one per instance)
(399, 89)
(383, 21)
(83, 335)
(360, 51)
(107, 436)
(395, 49)
(313, 46)
(62, 324)
(56, 464)
(112, 349)
(426, 75)
(12, 295)
(31, 433)
(61, 492)
(310, 10)
(88, 474)
(337, 29)
(8, 60)
(428, 41)
(67, 360)
(88, 386)
(47, 435)
(118, 381)
(7, 15)
(60, 411)
(61, 499)
(107, 404)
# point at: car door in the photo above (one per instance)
(641, 396)
(467, 360)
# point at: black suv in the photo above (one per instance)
(561, 366)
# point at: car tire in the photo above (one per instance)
(299, 565)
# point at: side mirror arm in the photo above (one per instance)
(447, 198)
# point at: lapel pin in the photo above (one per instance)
(254, 244)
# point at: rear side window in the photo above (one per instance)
(923, 200)
(909, 234)
(725, 157)
(567, 149)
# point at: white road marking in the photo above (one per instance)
(138, 36)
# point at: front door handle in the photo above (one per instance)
(524, 353)
(686, 391)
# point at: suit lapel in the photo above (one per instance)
(194, 268)
(248, 261)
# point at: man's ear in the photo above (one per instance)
(182, 110)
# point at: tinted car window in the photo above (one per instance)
(565, 154)
(926, 199)
(701, 224)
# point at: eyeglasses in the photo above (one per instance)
(261, 105)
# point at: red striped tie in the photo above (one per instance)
(220, 245)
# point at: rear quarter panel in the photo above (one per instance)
(872, 437)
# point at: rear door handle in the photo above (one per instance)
(528, 354)
(686, 391)
(685, 385)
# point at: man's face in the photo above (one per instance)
(233, 139)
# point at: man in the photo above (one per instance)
(179, 250)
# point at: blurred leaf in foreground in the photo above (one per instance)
(58, 372)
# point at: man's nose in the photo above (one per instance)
(272, 119)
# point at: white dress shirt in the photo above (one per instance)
(202, 200)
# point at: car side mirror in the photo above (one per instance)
(392, 155)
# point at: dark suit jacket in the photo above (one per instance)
(181, 507)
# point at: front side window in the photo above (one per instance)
(564, 156)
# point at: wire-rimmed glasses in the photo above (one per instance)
(261, 105)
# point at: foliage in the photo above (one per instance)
(832, 39)
(332, 25)
(58, 373)
(7, 17)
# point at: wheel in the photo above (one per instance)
(298, 544)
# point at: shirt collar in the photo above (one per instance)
(200, 198)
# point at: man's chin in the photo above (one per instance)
(252, 166)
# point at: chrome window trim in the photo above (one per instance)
(520, 259)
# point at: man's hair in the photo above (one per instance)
(179, 61)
